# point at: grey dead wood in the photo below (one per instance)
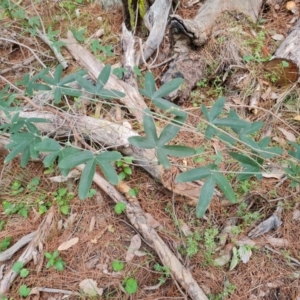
(138, 219)
(188, 34)
(155, 20)
(7, 254)
(133, 100)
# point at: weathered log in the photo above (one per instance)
(188, 34)
(133, 100)
(286, 61)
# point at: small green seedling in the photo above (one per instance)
(16, 188)
(62, 197)
(133, 192)
(117, 266)
(125, 168)
(2, 223)
(165, 272)
(92, 193)
(32, 185)
(55, 261)
(11, 208)
(4, 244)
(120, 207)
(24, 291)
(18, 268)
(131, 285)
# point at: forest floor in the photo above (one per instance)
(272, 268)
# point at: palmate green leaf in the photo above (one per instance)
(178, 150)
(168, 133)
(296, 153)
(142, 142)
(37, 120)
(32, 128)
(224, 186)
(57, 95)
(70, 92)
(40, 87)
(50, 159)
(206, 195)
(167, 88)
(169, 107)
(58, 73)
(85, 84)
(103, 77)
(149, 84)
(72, 77)
(149, 126)
(210, 132)
(232, 123)
(34, 153)
(108, 156)
(194, 174)
(18, 147)
(75, 159)
(86, 178)
(25, 156)
(249, 171)
(109, 94)
(263, 143)
(244, 159)
(216, 109)
(109, 172)
(163, 158)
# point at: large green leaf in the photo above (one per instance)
(103, 77)
(168, 106)
(108, 156)
(48, 145)
(225, 186)
(168, 133)
(109, 172)
(216, 109)
(18, 147)
(167, 88)
(149, 126)
(76, 159)
(141, 142)
(179, 151)
(163, 158)
(296, 153)
(86, 179)
(149, 84)
(194, 174)
(206, 195)
(232, 123)
(244, 159)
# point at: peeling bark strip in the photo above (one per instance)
(138, 219)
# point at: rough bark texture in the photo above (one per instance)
(190, 63)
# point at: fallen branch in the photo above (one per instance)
(138, 219)
(31, 251)
(7, 254)
(133, 100)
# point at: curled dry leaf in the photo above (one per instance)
(135, 245)
(90, 288)
(68, 244)
(225, 256)
(288, 135)
(244, 253)
(244, 240)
